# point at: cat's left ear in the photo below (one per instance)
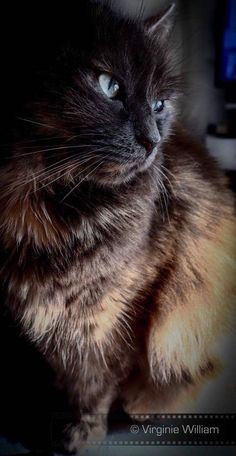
(161, 24)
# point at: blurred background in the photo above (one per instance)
(205, 33)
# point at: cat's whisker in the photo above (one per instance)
(37, 123)
(53, 138)
(156, 184)
(70, 167)
(51, 181)
(42, 173)
(31, 141)
(167, 179)
(165, 171)
(63, 174)
(165, 195)
(168, 171)
(78, 146)
(23, 182)
(46, 174)
(161, 202)
(82, 180)
(52, 149)
(54, 165)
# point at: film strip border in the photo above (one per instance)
(170, 430)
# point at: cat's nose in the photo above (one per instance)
(149, 142)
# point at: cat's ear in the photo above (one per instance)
(161, 24)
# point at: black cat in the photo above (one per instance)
(116, 228)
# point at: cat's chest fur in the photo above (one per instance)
(82, 301)
(89, 314)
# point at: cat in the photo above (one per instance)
(116, 227)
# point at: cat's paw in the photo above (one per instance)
(80, 437)
(137, 410)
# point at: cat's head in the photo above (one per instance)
(101, 90)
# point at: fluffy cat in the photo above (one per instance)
(116, 228)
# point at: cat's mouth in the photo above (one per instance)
(116, 172)
(113, 168)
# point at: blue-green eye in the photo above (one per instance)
(108, 85)
(158, 105)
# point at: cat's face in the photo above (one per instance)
(111, 96)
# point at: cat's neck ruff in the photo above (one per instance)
(48, 217)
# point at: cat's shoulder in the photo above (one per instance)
(195, 176)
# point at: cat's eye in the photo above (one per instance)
(158, 105)
(109, 85)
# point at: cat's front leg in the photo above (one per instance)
(91, 429)
(92, 425)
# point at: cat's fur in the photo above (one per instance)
(121, 273)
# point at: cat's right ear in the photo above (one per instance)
(161, 24)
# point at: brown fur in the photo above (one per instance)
(120, 272)
(161, 308)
